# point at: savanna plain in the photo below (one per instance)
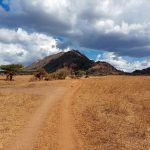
(96, 113)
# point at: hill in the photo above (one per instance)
(74, 60)
(142, 72)
(103, 68)
(41, 63)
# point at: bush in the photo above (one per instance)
(80, 73)
(60, 74)
(41, 74)
(72, 76)
(51, 76)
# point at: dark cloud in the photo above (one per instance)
(119, 43)
(101, 25)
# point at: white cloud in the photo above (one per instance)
(109, 26)
(123, 64)
(19, 46)
(118, 26)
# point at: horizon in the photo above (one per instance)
(109, 31)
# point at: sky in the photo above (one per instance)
(115, 31)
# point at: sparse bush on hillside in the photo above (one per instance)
(60, 74)
(80, 73)
(51, 76)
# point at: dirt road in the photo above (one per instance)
(30, 134)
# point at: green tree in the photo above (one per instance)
(10, 70)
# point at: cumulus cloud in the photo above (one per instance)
(122, 63)
(19, 46)
(110, 25)
(118, 27)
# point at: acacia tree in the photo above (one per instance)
(10, 70)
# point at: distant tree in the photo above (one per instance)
(10, 70)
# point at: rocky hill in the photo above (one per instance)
(142, 72)
(74, 60)
(103, 68)
(41, 63)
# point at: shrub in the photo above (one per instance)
(80, 73)
(51, 76)
(41, 74)
(72, 76)
(60, 74)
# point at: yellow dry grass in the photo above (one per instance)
(19, 101)
(113, 113)
(108, 113)
(15, 107)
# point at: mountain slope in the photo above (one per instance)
(41, 63)
(142, 72)
(74, 60)
(103, 68)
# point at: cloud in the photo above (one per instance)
(19, 46)
(109, 25)
(122, 63)
(33, 29)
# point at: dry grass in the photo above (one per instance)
(16, 106)
(109, 113)
(18, 81)
(20, 99)
(113, 113)
(15, 110)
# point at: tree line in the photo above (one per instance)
(40, 74)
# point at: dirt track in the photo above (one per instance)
(53, 97)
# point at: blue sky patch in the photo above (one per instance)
(91, 54)
(5, 5)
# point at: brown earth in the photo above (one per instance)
(105, 113)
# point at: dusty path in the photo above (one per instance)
(28, 137)
(67, 132)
